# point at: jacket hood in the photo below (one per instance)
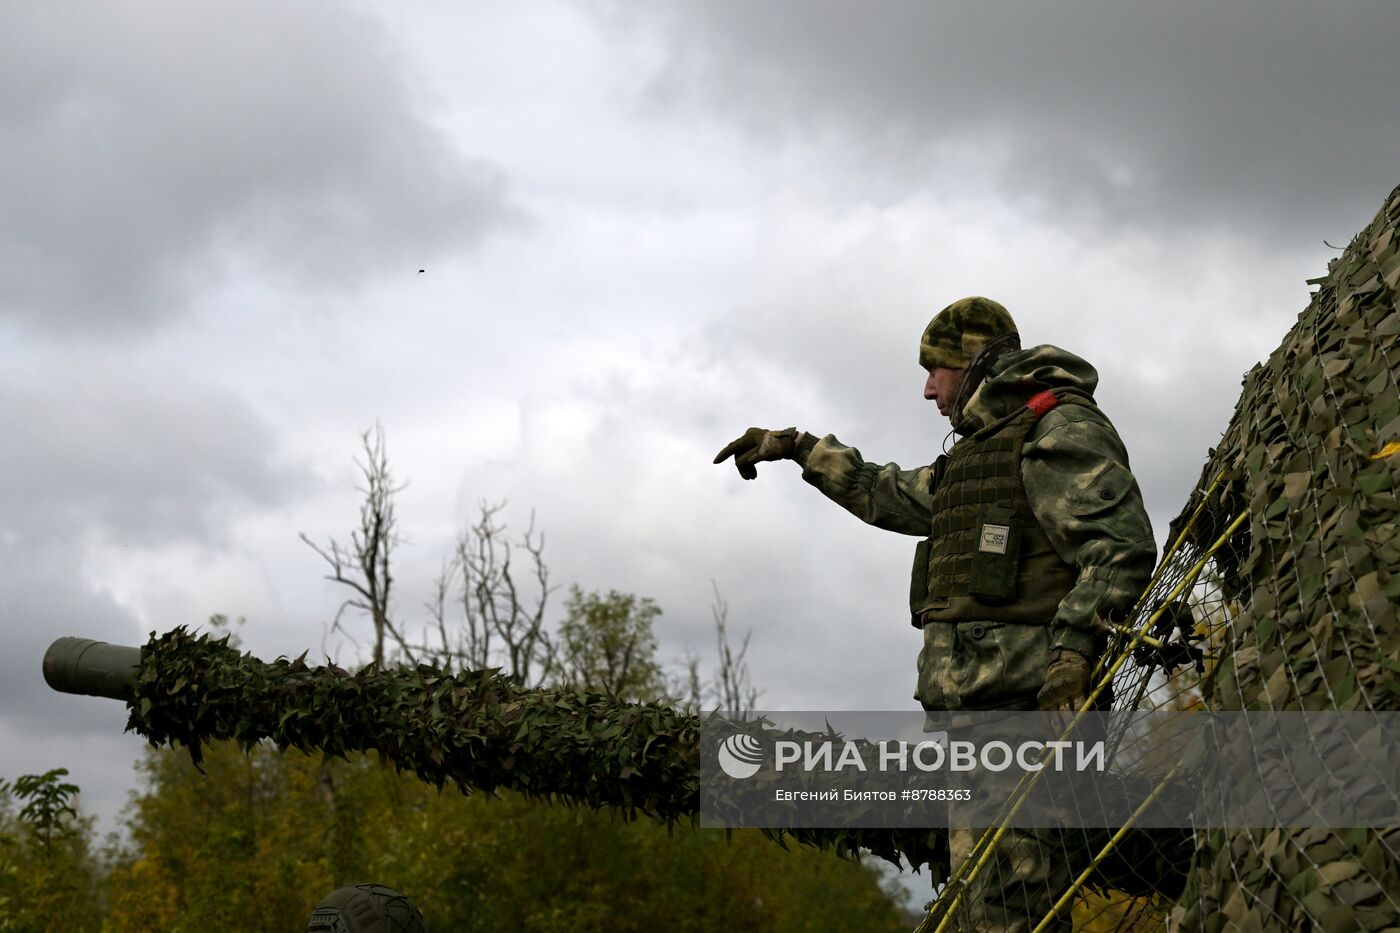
(1017, 376)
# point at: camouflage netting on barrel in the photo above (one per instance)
(1277, 592)
(476, 730)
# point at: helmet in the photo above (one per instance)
(957, 332)
(366, 908)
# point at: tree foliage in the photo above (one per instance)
(258, 838)
(607, 645)
(49, 873)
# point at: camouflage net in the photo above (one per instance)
(1278, 591)
(1304, 614)
(477, 730)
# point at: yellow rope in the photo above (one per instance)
(1103, 853)
(986, 843)
(1172, 548)
(1186, 529)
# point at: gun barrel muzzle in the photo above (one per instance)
(91, 668)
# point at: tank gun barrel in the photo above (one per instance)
(91, 668)
(478, 730)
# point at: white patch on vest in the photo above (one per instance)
(994, 539)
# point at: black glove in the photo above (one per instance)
(759, 444)
(1066, 681)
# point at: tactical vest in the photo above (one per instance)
(986, 558)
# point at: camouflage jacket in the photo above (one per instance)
(1070, 454)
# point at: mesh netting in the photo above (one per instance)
(1277, 592)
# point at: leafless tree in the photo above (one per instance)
(733, 688)
(500, 624)
(688, 687)
(364, 565)
(501, 589)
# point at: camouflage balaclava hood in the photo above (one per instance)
(957, 332)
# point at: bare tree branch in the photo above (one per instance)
(502, 622)
(499, 626)
(365, 566)
(437, 609)
(734, 690)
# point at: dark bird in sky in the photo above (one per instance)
(421, 271)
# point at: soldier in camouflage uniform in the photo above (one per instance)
(1034, 535)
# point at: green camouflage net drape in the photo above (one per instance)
(1305, 598)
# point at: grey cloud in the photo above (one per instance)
(105, 452)
(44, 599)
(148, 150)
(144, 457)
(1250, 115)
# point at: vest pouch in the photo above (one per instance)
(918, 579)
(997, 558)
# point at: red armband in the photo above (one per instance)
(1042, 402)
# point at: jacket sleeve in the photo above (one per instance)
(885, 496)
(1088, 503)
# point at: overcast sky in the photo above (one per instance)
(645, 227)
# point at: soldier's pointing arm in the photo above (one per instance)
(883, 495)
(1088, 502)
